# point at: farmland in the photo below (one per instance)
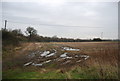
(61, 60)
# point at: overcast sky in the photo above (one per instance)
(64, 18)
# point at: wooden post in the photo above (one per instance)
(5, 24)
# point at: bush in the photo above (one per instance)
(8, 38)
(13, 37)
(97, 39)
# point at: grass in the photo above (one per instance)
(77, 73)
(74, 74)
(102, 63)
(16, 74)
(92, 73)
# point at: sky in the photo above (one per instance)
(64, 18)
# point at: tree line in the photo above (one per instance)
(16, 36)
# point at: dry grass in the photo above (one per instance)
(103, 61)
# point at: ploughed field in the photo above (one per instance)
(62, 60)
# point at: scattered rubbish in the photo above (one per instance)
(76, 56)
(36, 64)
(45, 53)
(70, 49)
(85, 56)
(64, 58)
(27, 63)
(50, 55)
(69, 57)
(78, 61)
(47, 61)
(66, 62)
(63, 55)
(55, 50)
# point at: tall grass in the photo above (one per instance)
(102, 64)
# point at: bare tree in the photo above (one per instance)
(30, 31)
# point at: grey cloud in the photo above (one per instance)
(88, 14)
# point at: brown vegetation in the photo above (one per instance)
(103, 57)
